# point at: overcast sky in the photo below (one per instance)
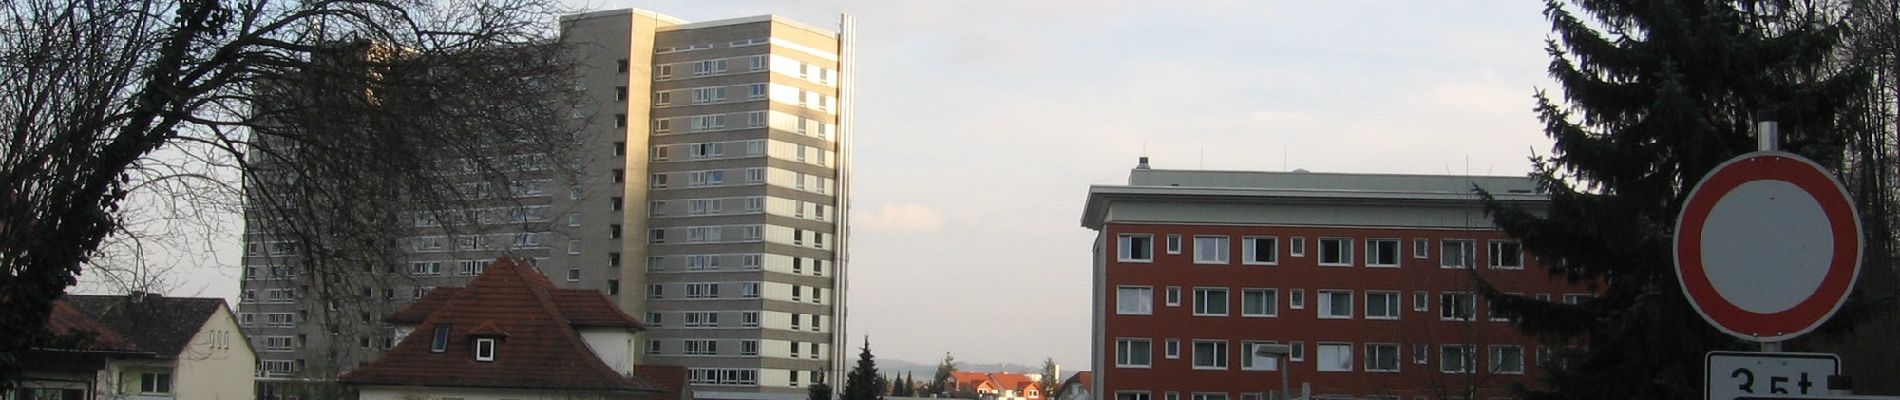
(982, 124)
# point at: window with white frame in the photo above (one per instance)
(1296, 299)
(1382, 252)
(1172, 350)
(755, 147)
(1135, 248)
(1259, 303)
(1133, 353)
(1382, 357)
(1381, 304)
(1455, 359)
(1296, 351)
(1210, 354)
(1209, 396)
(1174, 296)
(708, 95)
(573, 274)
(1505, 254)
(1421, 248)
(701, 347)
(653, 347)
(1260, 250)
(749, 347)
(1456, 253)
(755, 91)
(702, 319)
(1335, 304)
(1507, 359)
(1126, 395)
(1335, 251)
(1134, 300)
(707, 67)
(1457, 306)
(1421, 353)
(1210, 250)
(1577, 298)
(702, 290)
(1251, 360)
(1421, 301)
(485, 349)
(1334, 357)
(1174, 244)
(1297, 246)
(749, 319)
(1210, 301)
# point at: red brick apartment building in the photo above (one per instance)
(1368, 278)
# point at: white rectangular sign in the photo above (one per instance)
(1734, 375)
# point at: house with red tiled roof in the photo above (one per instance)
(138, 346)
(997, 385)
(1076, 387)
(510, 333)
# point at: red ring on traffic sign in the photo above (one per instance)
(1843, 266)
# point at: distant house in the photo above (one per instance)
(140, 346)
(1076, 387)
(512, 334)
(996, 385)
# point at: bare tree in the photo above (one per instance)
(338, 113)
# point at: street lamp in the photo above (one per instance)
(1279, 352)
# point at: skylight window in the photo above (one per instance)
(441, 343)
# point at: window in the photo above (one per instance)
(1507, 360)
(1335, 357)
(1210, 354)
(573, 274)
(441, 340)
(1132, 396)
(1574, 298)
(1421, 248)
(700, 347)
(1506, 254)
(1135, 248)
(1453, 306)
(1251, 360)
(1297, 247)
(1382, 357)
(1456, 254)
(749, 347)
(1259, 303)
(1131, 300)
(1421, 353)
(1382, 252)
(1382, 305)
(1497, 313)
(749, 290)
(620, 93)
(662, 125)
(1454, 359)
(1335, 251)
(1174, 296)
(1421, 301)
(1173, 349)
(1260, 250)
(653, 347)
(485, 349)
(1128, 352)
(1174, 244)
(1296, 351)
(155, 382)
(1335, 304)
(1210, 301)
(1210, 250)
(755, 91)
(749, 319)
(758, 62)
(1210, 396)
(659, 71)
(656, 291)
(1296, 299)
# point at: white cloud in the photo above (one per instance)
(899, 218)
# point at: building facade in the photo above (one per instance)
(139, 346)
(714, 172)
(1371, 281)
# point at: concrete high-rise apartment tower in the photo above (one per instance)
(712, 206)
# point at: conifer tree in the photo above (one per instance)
(939, 385)
(1655, 95)
(863, 383)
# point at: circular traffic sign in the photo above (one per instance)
(1767, 246)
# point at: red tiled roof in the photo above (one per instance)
(542, 349)
(584, 308)
(1084, 378)
(1012, 380)
(671, 378)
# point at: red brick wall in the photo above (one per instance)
(1413, 274)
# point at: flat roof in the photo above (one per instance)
(1192, 186)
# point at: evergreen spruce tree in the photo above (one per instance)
(1655, 95)
(819, 391)
(863, 382)
(910, 385)
(940, 384)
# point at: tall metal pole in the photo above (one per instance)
(1768, 138)
(1285, 369)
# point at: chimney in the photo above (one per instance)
(1143, 164)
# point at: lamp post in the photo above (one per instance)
(1279, 352)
